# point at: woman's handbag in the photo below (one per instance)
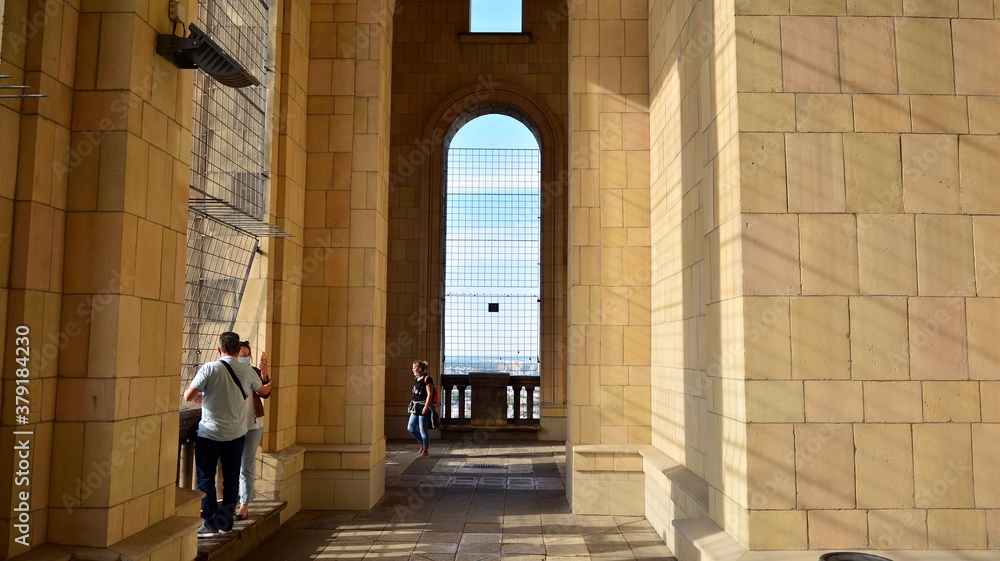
(258, 406)
(435, 418)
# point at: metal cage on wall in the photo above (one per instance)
(229, 182)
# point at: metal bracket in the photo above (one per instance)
(17, 87)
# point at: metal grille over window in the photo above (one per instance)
(218, 265)
(227, 166)
(228, 179)
(492, 254)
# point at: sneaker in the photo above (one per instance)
(207, 532)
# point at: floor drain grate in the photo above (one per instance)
(484, 466)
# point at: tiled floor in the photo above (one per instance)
(501, 500)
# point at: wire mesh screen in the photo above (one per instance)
(492, 253)
(218, 264)
(228, 123)
(227, 179)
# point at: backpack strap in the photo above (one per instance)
(235, 379)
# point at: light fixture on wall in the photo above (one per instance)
(197, 50)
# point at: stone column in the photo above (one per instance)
(33, 184)
(609, 252)
(342, 377)
(270, 312)
(871, 390)
(114, 452)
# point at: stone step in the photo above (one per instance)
(264, 520)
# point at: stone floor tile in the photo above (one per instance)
(440, 537)
(406, 536)
(521, 529)
(508, 549)
(478, 547)
(614, 538)
(418, 556)
(445, 509)
(474, 527)
(423, 548)
(480, 537)
(652, 552)
(387, 555)
(477, 557)
(602, 548)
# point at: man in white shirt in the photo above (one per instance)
(221, 431)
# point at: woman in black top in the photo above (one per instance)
(420, 407)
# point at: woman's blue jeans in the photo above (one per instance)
(247, 464)
(418, 428)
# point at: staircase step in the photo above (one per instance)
(264, 520)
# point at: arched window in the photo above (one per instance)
(495, 16)
(492, 248)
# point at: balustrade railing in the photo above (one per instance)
(490, 399)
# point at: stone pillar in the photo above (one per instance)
(870, 387)
(33, 184)
(270, 312)
(114, 453)
(696, 333)
(609, 250)
(342, 378)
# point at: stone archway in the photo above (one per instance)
(472, 101)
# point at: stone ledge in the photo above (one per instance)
(176, 532)
(44, 553)
(477, 37)
(607, 458)
(338, 456)
(684, 479)
(187, 502)
(700, 539)
(703, 540)
(609, 448)
(280, 465)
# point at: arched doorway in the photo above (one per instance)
(462, 107)
(492, 271)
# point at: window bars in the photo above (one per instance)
(492, 261)
(219, 257)
(228, 180)
(228, 123)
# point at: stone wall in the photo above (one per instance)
(94, 204)
(609, 252)
(868, 267)
(696, 195)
